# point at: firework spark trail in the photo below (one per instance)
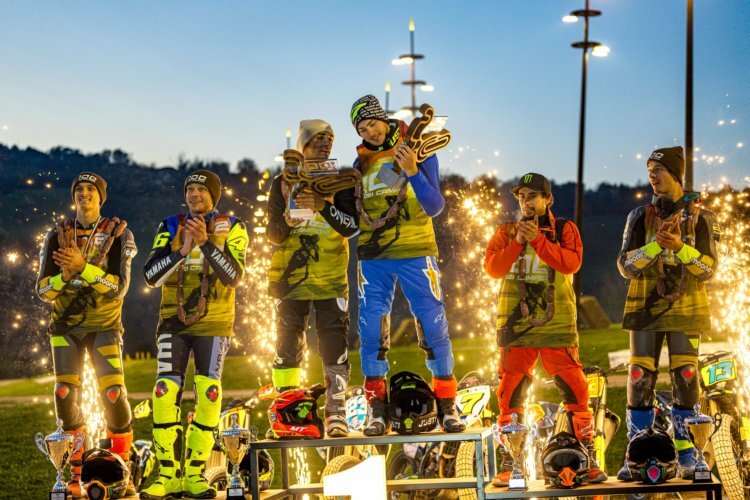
(479, 210)
(91, 405)
(729, 290)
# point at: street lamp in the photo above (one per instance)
(411, 58)
(598, 50)
(387, 98)
(288, 135)
(689, 98)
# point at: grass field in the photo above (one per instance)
(28, 474)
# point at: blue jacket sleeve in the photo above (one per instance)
(426, 185)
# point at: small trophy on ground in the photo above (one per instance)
(235, 441)
(59, 447)
(699, 426)
(515, 436)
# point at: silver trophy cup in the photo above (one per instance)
(59, 447)
(514, 435)
(235, 441)
(699, 426)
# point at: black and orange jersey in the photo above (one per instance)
(645, 309)
(92, 301)
(225, 254)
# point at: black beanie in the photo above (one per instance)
(208, 179)
(95, 179)
(367, 108)
(672, 158)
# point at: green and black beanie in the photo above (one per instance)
(367, 108)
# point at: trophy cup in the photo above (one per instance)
(235, 441)
(59, 447)
(515, 437)
(699, 426)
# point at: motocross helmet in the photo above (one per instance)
(565, 461)
(142, 462)
(104, 474)
(356, 408)
(265, 468)
(294, 413)
(651, 456)
(413, 406)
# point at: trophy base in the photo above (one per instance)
(517, 484)
(59, 495)
(235, 493)
(702, 476)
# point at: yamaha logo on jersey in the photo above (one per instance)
(197, 178)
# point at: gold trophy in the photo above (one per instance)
(514, 435)
(59, 447)
(235, 441)
(699, 426)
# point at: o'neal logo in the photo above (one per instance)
(197, 178)
(87, 177)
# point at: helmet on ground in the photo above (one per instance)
(265, 467)
(294, 413)
(565, 462)
(652, 457)
(104, 474)
(413, 407)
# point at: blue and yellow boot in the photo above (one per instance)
(637, 419)
(685, 449)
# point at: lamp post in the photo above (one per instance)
(689, 99)
(387, 98)
(411, 58)
(599, 50)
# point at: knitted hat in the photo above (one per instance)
(367, 108)
(208, 179)
(673, 159)
(537, 182)
(95, 179)
(309, 129)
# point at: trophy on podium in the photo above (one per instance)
(514, 435)
(699, 426)
(59, 447)
(235, 440)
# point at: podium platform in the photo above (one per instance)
(482, 438)
(611, 487)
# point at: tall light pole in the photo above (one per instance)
(387, 98)
(411, 58)
(689, 99)
(599, 50)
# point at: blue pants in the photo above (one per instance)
(420, 281)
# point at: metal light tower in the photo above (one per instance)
(411, 59)
(596, 49)
(689, 99)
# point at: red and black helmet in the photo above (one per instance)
(294, 414)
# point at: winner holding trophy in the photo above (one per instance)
(59, 447)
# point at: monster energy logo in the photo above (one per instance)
(527, 178)
(355, 111)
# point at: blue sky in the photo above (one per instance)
(224, 80)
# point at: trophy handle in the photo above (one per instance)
(39, 438)
(78, 444)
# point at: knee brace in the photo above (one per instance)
(66, 405)
(685, 387)
(641, 384)
(116, 409)
(166, 401)
(207, 400)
